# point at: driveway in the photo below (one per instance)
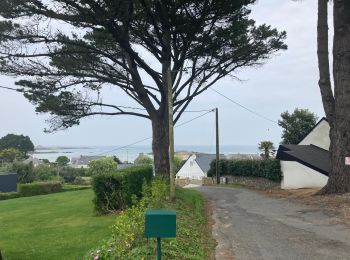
(249, 225)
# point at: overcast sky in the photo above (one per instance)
(287, 81)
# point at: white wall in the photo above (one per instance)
(191, 170)
(296, 176)
(319, 136)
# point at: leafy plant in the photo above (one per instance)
(102, 166)
(38, 188)
(115, 191)
(25, 171)
(268, 169)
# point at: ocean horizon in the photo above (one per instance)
(130, 153)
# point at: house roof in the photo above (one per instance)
(84, 160)
(311, 156)
(204, 160)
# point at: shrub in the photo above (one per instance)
(25, 172)
(8, 195)
(45, 172)
(143, 159)
(82, 180)
(69, 174)
(269, 169)
(38, 188)
(128, 230)
(114, 191)
(102, 166)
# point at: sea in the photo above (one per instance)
(130, 153)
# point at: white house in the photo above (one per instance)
(196, 167)
(307, 164)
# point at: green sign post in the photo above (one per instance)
(159, 224)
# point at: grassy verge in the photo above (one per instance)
(193, 242)
(55, 226)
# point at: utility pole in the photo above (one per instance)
(217, 146)
(171, 134)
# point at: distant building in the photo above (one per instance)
(307, 164)
(196, 167)
(83, 161)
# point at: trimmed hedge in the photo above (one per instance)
(268, 169)
(38, 188)
(115, 191)
(9, 195)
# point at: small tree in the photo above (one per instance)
(296, 125)
(10, 155)
(101, 166)
(267, 148)
(62, 161)
(20, 142)
(143, 159)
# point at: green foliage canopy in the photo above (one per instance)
(105, 44)
(10, 154)
(296, 125)
(62, 160)
(102, 166)
(20, 142)
(143, 159)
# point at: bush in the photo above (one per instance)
(9, 195)
(38, 188)
(128, 231)
(45, 172)
(69, 174)
(82, 180)
(102, 166)
(115, 191)
(268, 169)
(25, 172)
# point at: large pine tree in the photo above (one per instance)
(66, 51)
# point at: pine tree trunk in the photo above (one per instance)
(339, 178)
(160, 145)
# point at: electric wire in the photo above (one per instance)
(244, 107)
(148, 138)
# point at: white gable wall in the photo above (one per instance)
(191, 170)
(297, 176)
(319, 136)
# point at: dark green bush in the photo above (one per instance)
(38, 188)
(25, 172)
(268, 169)
(115, 191)
(8, 195)
(69, 174)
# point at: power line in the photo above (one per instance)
(189, 121)
(244, 107)
(148, 138)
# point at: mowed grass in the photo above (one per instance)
(54, 226)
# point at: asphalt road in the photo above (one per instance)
(249, 225)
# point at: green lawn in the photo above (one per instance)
(56, 226)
